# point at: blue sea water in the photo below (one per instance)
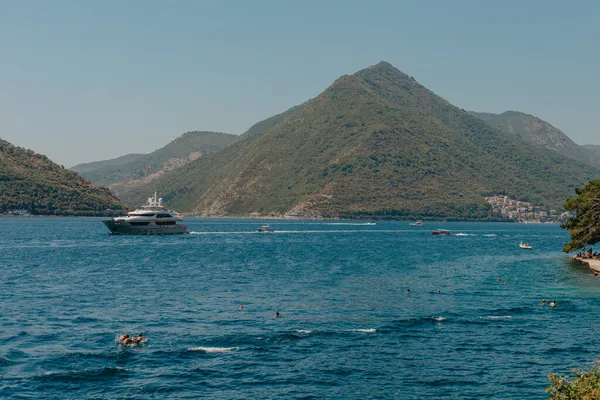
(348, 329)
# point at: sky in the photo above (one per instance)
(86, 80)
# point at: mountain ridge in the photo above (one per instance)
(147, 167)
(534, 130)
(375, 143)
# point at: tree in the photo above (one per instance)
(584, 226)
(584, 385)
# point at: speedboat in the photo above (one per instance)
(441, 232)
(150, 219)
(265, 228)
(417, 223)
(526, 246)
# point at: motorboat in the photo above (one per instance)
(444, 232)
(265, 228)
(526, 246)
(416, 223)
(150, 219)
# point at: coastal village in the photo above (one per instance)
(523, 211)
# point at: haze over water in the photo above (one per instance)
(348, 329)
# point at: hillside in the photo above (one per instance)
(535, 131)
(114, 162)
(373, 144)
(145, 168)
(31, 182)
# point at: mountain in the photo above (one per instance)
(114, 162)
(533, 130)
(373, 144)
(31, 182)
(120, 175)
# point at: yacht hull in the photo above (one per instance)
(125, 228)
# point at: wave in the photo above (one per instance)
(497, 317)
(490, 235)
(438, 319)
(213, 349)
(302, 331)
(364, 330)
(464, 234)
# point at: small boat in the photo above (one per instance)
(526, 246)
(441, 232)
(416, 223)
(265, 228)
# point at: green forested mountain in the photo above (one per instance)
(145, 168)
(114, 162)
(30, 181)
(376, 144)
(533, 130)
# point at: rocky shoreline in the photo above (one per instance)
(592, 263)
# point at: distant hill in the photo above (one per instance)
(31, 182)
(594, 148)
(115, 162)
(533, 130)
(374, 144)
(145, 168)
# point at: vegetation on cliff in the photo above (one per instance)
(31, 182)
(584, 226)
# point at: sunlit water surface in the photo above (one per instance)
(348, 329)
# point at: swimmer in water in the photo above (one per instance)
(408, 291)
(277, 314)
(543, 303)
(125, 339)
(138, 339)
(552, 303)
(241, 307)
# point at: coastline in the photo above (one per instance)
(592, 263)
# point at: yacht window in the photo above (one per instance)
(163, 216)
(138, 223)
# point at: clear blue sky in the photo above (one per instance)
(90, 80)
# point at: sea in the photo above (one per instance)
(472, 326)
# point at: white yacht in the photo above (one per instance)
(151, 219)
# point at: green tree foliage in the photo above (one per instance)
(584, 226)
(582, 385)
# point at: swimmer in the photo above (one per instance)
(125, 339)
(438, 290)
(408, 291)
(499, 280)
(552, 303)
(138, 339)
(277, 314)
(543, 303)
(241, 307)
